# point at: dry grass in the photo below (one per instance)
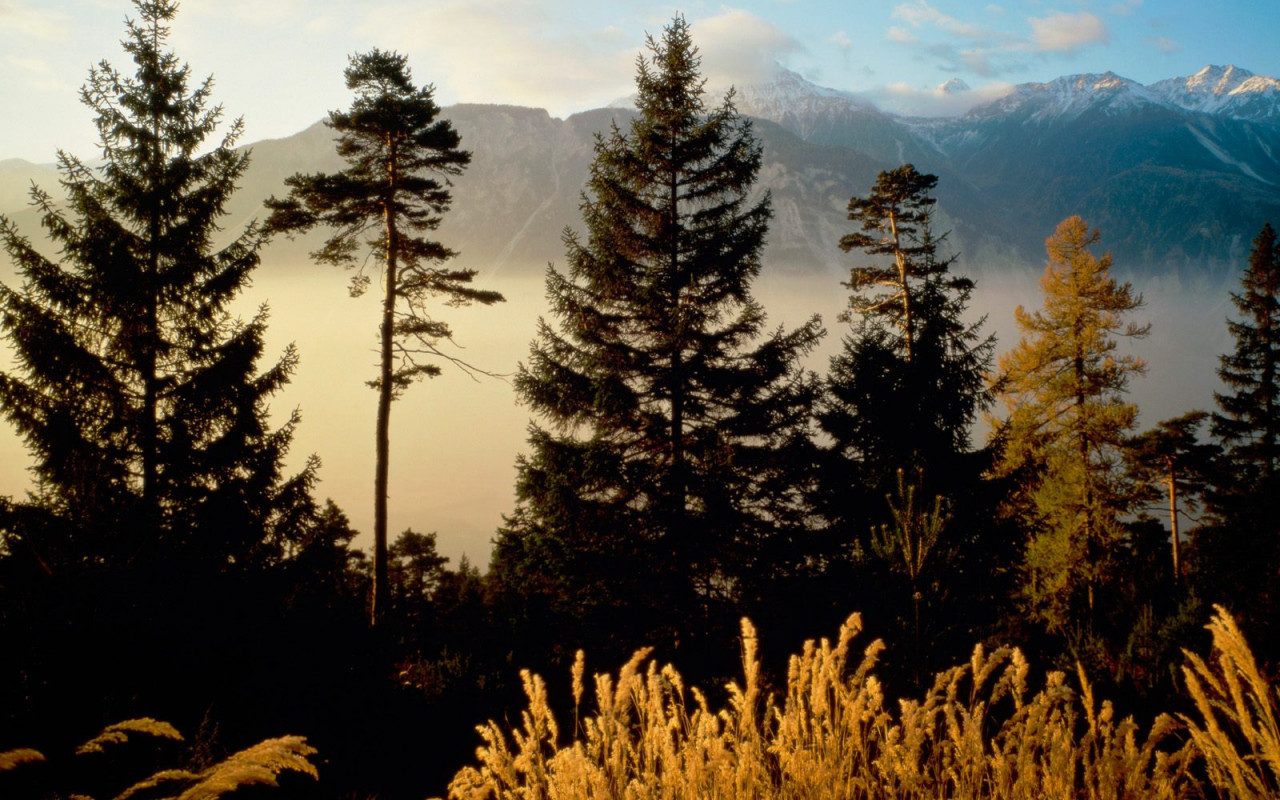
(1237, 732)
(259, 765)
(978, 733)
(120, 733)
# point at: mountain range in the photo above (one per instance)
(1178, 175)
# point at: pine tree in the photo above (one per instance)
(670, 482)
(395, 189)
(1171, 455)
(910, 380)
(135, 388)
(1239, 552)
(1064, 387)
(1249, 418)
(901, 396)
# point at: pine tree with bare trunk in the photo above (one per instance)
(400, 157)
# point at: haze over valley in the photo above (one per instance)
(1178, 176)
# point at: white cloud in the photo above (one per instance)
(18, 18)
(1164, 45)
(1066, 33)
(738, 47)
(955, 45)
(495, 51)
(251, 12)
(901, 98)
(919, 13)
(901, 36)
(1125, 8)
(841, 40)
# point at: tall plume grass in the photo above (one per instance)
(1237, 732)
(979, 732)
(259, 765)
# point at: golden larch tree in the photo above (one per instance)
(1064, 388)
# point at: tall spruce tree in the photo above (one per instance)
(1248, 420)
(401, 155)
(669, 485)
(1239, 554)
(910, 379)
(1064, 387)
(901, 396)
(135, 388)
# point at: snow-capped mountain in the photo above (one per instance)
(1218, 91)
(792, 101)
(1226, 91)
(1178, 176)
(1068, 97)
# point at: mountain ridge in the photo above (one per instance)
(1178, 175)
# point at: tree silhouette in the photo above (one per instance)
(1248, 420)
(400, 157)
(1171, 455)
(135, 389)
(909, 380)
(669, 485)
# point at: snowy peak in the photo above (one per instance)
(1069, 96)
(953, 86)
(788, 97)
(1218, 80)
(1228, 91)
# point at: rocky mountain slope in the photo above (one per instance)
(1178, 175)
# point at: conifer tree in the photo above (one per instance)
(669, 483)
(900, 398)
(135, 388)
(1239, 552)
(401, 155)
(1064, 387)
(1171, 455)
(1248, 421)
(910, 380)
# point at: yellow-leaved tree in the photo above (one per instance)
(1064, 389)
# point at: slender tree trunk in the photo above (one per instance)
(1086, 477)
(149, 434)
(915, 607)
(677, 529)
(1173, 516)
(382, 436)
(908, 320)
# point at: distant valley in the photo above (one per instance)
(1179, 176)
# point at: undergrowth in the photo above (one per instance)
(979, 733)
(263, 764)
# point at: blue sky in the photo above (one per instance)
(279, 62)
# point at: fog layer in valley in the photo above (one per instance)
(455, 439)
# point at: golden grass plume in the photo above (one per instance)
(1237, 733)
(979, 733)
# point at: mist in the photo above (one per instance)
(455, 438)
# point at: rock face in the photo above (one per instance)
(1179, 175)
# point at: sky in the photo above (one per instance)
(278, 63)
